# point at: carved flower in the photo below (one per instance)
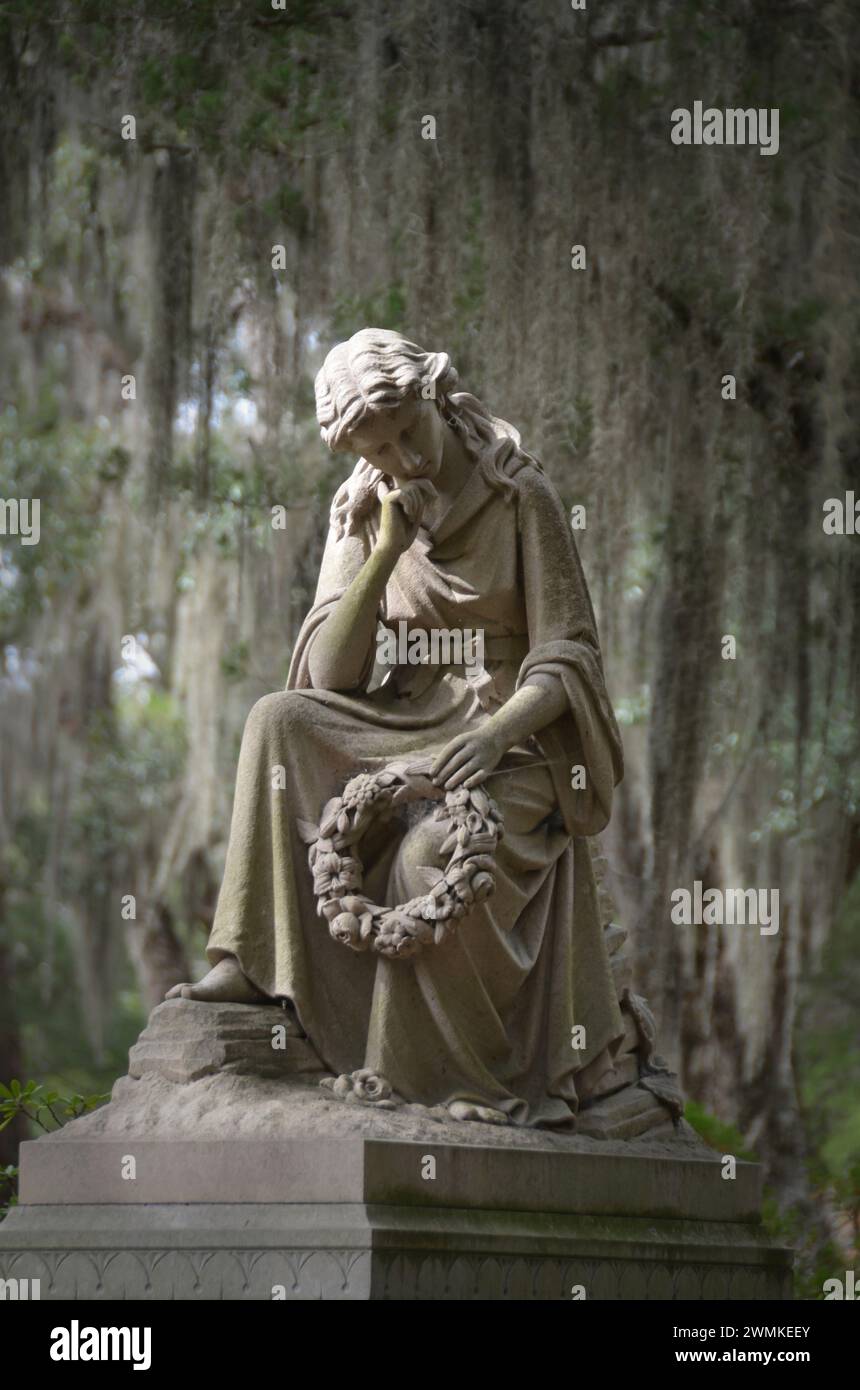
(326, 863)
(346, 928)
(399, 947)
(482, 886)
(318, 849)
(367, 1085)
(348, 876)
(364, 1085)
(460, 797)
(360, 790)
(448, 907)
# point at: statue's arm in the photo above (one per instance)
(338, 656)
(471, 756)
(560, 623)
(339, 653)
(528, 710)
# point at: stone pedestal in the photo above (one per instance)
(222, 1170)
(366, 1219)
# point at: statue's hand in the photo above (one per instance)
(402, 510)
(468, 759)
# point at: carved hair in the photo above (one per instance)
(376, 370)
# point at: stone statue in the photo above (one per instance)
(447, 803)
(414, 920)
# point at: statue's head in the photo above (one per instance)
(385, 398)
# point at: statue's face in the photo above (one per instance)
(403, 443)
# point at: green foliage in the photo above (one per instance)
(43, 942)
(64, 465)
(223, 80)
(815, 1260)
(235, 662)
(8, 1188)
(832, 773)
(382, 308)
(287, 206)
(718, 1134)
(471, 286)
(634, 709)
(134, 754)
(828, 1057)
(131, 754)
(42, 1107)
(782, 322)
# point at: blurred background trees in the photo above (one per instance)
(152, 259)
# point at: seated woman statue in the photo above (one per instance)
(446, 524)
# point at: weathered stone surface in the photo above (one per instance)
(244, 1105)
(615, 937)
(185, 1040)
(622, 972)
(356, 1169)
(183, 1018)
(625, 1073)
(626, 1114)
(664, 1086)
(210, 1070)
(363, 1252)
(246, 1182)
(631, 1035)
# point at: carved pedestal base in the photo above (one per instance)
(221, 1169)
(363, 1252)
(379, 1219)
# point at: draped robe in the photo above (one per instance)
(488, 1016)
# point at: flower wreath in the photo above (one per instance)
(469, 876)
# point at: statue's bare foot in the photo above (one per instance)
(225, 984)
(464, 1110)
